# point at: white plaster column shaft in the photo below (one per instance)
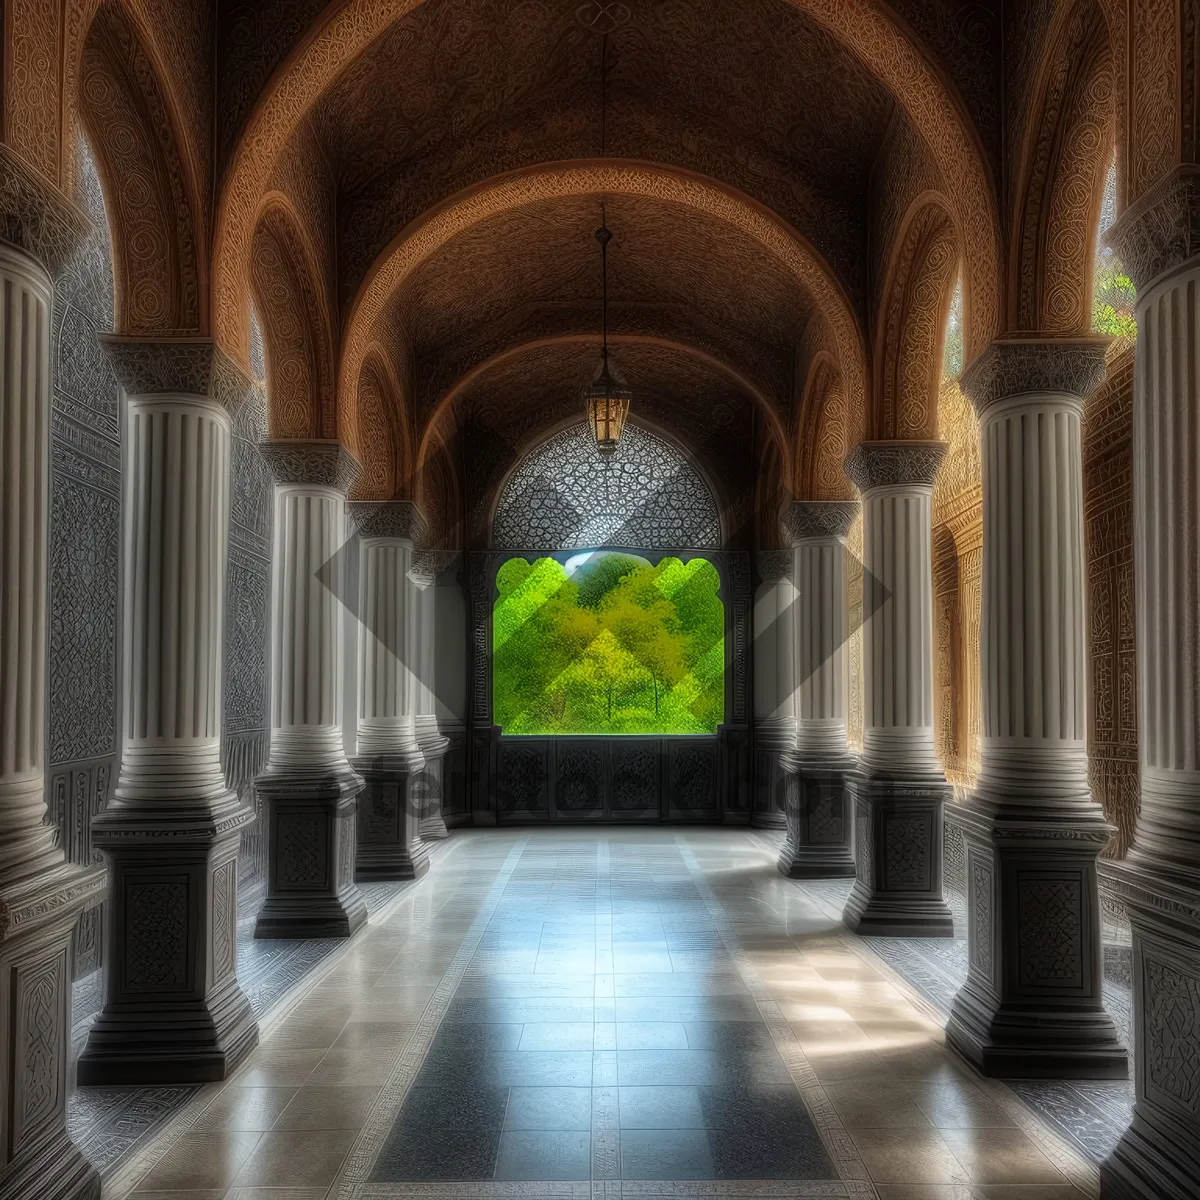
(176, 514)
(819, 531)
(311, 482)
(1166, 545)
(25, 300)
(896, 482)
(775, 654)
(423, 579)
(1029, 395)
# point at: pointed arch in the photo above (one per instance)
(296, 328)
(1060, 183)
(911, 322)
(150, 187)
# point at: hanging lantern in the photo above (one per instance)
(607, 398)
(607, 407)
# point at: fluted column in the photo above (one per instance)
(774, 688)
(41, 896)
(423, 582)
(310, 787)
(1158, 240)
(389, 757)
(1031, 1005)
(174, 1009)
(820, 825)
(899, 789)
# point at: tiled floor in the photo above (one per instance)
(616, 1013)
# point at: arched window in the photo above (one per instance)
(647, 496)
(1113, 292)
(952, 348)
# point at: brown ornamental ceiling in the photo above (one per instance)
(534, 273)
(462, 90)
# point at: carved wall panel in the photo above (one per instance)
(1049, 932)
(1171, 999)
(156, 935)
(83, 664)
(31, 84)
(40, 990)
(1108, 526)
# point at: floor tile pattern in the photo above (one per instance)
(109, 1123)
(605, 1013)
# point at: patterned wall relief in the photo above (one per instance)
(84, 548)
(1112, 667)
(958, 588)
(246, 736)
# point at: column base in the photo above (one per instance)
(819, 821)
(174, 1011)
(1158, 1158)
(57, 1170)
(427, 793)
(768, 820)
(390, 846)
(311, 892)
(1032, 1007)
(898, 840)
(40, 909)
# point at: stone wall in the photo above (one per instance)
(1112, 668)
(83, 666)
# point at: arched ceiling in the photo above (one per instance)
(534, 272)
(489, 86)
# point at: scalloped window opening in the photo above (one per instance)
(1113, 292)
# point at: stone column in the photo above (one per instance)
(174, 1010)
(1158, 240)
(819, 818)
(899, 789)
(41, 896)
(774, 689)
(310, 788)
(423, 585)
(1031, 1005)
(389, 758)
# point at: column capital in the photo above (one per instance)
(400, 519)
(894, 464)
(1161, 229)
(35, 216)
(773, 565)
(808, 520)
(321, 462)
(1022, 366)
(427, 565)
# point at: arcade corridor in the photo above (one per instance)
(571, 1007)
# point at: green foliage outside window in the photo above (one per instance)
(1113, 298)
(608, 644)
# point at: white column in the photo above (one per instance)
(822, 622)
(176, 513)
(775, 654)
(1166, 548)
(25, 299)
(900, 790)
(40, 895)
(423, 581)
(896, 481)
(306, 609)
(1032, 1001)
(1159, 1156)
(386, 695)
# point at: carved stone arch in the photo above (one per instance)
(1061, 178)
(911, 323)
(437, 485)
(771, 491)
(150, 188)
(380, 449)
(880, 40)
(822, 434)
(413, 246)
(296, 328)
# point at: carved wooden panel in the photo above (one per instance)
(692, 777)
(635, 783)
(579, 778)
(523, 779)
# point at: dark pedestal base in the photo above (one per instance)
(427, 794)
(1159, 1156)
(174, 1011)
(311, 891)
(1031, 1007)
(40, 908)
(819, 822)
(56, 1170)
(898, 849)
(389, 841)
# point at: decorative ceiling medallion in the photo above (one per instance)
(602, 17)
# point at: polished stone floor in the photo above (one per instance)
(616, 1013)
